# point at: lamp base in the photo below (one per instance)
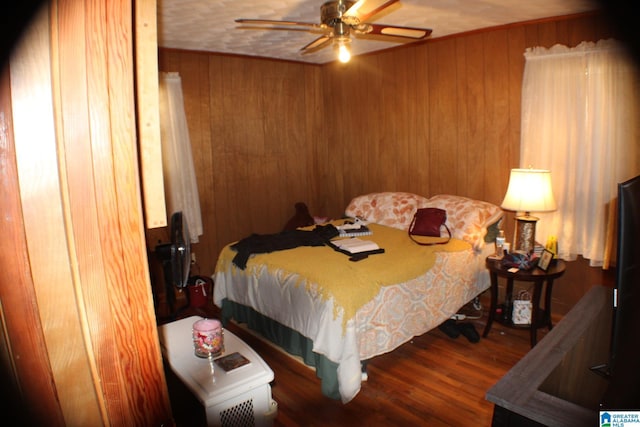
(525, 236)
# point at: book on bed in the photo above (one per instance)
(355, 245)
(354, 228)
(355, 232)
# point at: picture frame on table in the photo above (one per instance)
(545, 260)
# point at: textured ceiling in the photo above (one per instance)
(208, 25)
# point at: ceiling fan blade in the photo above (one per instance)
(364, 9)
(276, 22)
(406, 32)
(318, 43)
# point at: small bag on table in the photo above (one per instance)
(521, 314)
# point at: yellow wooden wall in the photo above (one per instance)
(437, 117)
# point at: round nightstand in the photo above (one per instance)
(539, 317)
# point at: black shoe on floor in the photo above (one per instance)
(450, 328)
(469, 331)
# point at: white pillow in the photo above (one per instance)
(393, 209)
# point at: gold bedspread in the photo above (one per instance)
(351, 284)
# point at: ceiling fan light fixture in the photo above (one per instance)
(344, 49)
(339, 18)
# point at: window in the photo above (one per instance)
(580, 119)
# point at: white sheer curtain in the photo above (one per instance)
(580, 116)
(180, 183)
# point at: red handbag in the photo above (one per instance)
(427, 222)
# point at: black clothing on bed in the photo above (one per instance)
(288, 239)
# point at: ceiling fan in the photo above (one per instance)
(341, 18)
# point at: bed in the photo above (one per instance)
(336, 314)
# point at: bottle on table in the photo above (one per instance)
(500, 244)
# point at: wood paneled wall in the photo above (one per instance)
(78, 338)
(254, 126)
(437, 117)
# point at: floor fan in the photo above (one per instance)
(175, 257)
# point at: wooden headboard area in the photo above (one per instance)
(440, 117)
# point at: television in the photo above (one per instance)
(623, 371)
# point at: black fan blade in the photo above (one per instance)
(186, 253)
(318, 43)
(276, 23)
(180, 250)
(365, 9)
(406, 32)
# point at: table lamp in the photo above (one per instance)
(529, 191)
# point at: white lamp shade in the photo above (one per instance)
(529, 191)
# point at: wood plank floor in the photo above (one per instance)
(432, 380)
